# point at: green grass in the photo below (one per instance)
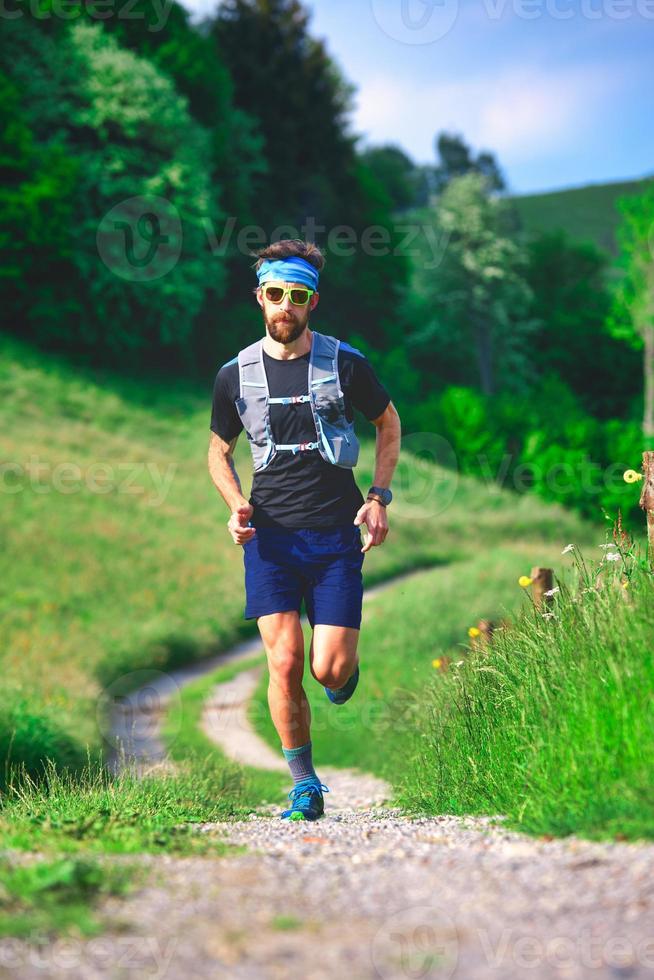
(96, 813)
(551, 726)
(42, 898)
(587, 213)
(187, 743)
(69, 841)
(403, 630)
(102, 582)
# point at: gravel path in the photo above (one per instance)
(365, 893)
(371, 894)
(225, 721)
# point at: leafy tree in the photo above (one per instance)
(405, 184)
(632, 315)
(131, 137)
(476, 300)
(286, 80)
(456, 159)
(36, 190)
(572, 301)
(190, 58)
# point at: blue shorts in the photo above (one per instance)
(321, 565)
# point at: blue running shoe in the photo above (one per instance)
(342, 694)
(308, 803)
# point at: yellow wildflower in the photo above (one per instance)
(436, 663)
(473, 631)
(630, 476)
(524, 581)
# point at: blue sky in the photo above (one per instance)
(562, 91)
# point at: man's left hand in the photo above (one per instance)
(373, 515)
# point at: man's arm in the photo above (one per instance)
(226, 480)
(387, 453)
(387, 448)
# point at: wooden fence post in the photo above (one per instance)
(483, 640)
(542, 580)
(647, 501)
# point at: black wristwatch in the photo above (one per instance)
(382, 495)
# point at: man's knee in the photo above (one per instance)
(284, 643)
(332, 673)
(333, 655)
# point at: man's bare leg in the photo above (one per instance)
(289, 708)
(333, 654)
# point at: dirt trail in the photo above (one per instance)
(367, 893)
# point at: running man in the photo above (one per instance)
(293, 392)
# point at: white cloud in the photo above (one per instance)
(519, 114)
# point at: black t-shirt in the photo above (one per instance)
(300, 489)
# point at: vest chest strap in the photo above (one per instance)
(289, 400)
(297, 447)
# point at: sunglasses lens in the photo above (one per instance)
(274, 294)
(299, 296)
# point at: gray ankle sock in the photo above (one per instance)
(300, 763)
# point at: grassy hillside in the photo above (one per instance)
(587, 213)
(115, 552)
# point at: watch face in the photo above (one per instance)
(385, 495)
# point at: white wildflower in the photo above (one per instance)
(567, 548)
(613, 557)
(548, 615)
(552, 591)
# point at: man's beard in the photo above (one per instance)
(285, 327)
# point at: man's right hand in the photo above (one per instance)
(237, 524)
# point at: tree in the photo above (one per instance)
(131, 137)
(36, 195)
(190, 58)
(572, 301)
(285, 79)
(456, 159)
(632, 315)
(405, 184)
(477, 298)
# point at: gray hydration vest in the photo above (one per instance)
(336, 441)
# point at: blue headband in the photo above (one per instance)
(292, 269)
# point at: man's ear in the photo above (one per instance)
(259, 295)
(314, 300)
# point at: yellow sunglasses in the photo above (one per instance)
(300, 295)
